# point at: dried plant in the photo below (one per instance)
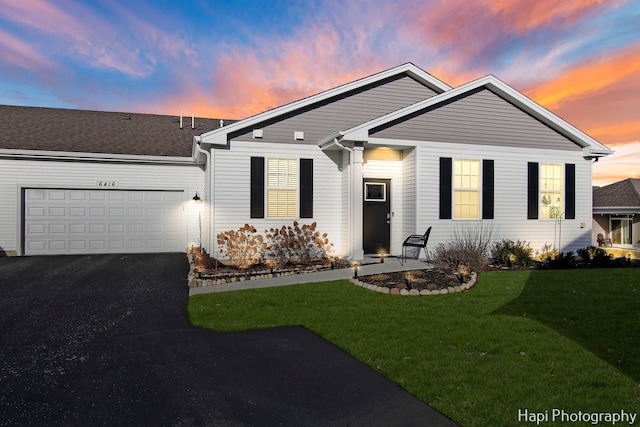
(468, 246)
(301, 244)
(243, 247)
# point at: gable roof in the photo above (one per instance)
(591, 147)
(33, 131)
(621, 194)
(222, 136)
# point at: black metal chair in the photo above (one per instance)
(415, 241)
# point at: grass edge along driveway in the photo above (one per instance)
(524, 340)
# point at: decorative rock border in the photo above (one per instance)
(196, 279)
(414, 292)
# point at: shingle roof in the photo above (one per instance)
(54, 129)
(618, 194)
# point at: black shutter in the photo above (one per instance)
(487, 189)
(306, 188)
(257, 187)
(532, 191)
(570, 191)
(445, 187)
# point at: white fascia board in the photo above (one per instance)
(603, 210)
(361, 132)
(545, 116)
(94, 157)
(330, 140)
(219, 136)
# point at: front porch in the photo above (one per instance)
(619, 252)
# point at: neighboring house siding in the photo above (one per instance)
(342, 113)
(52, 174)
(510, 197)
(479, 118)
(232, 182)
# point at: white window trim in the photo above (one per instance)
(562, 192)
(454, 189)
(384, 191)
(267, 188)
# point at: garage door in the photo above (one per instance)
(76, 221)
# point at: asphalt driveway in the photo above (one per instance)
(104, 340)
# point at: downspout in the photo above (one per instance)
(349, 197)
(208, 168)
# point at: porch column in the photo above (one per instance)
(357, 197)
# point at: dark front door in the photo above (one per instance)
(377, 216)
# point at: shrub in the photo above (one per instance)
(243, 247)
(204, 260)
(546, 254)
(511, 254)
(303, 244)
(593, 255)
(563, 260)
(468, 247)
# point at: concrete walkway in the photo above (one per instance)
(370, 266)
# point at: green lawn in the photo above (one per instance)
(534, 340)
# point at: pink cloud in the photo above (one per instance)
(600, 97)
(96, 41)
(624, 163)
(21, 54)
(245, 83)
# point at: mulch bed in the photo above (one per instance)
(431, 280)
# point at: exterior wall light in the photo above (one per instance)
(197, 198)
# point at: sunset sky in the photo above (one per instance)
(233, 59)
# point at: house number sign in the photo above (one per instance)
(107, 184)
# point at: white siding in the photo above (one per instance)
(231, 176)
(18, 174)
(510, 195)
(390, 169)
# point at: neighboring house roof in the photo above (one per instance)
(590, 146)
(23, 129)
(222, 136)
(618, 198)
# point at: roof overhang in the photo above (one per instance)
(591, 147)
(220, 136)
(616, 210)
(92, 157)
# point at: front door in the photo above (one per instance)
(377, 216)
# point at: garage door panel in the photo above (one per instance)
(77, 245)
(102, 221)
(57, 228)
(57, 211)
(57, 195)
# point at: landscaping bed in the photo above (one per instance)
(208, 271)
(417, 282)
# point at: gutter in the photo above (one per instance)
(92, 157)
(197, 140)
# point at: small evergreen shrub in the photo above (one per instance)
(510, 253)
(243, 247)
(595, 256)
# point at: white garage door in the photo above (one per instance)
(76, 221)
